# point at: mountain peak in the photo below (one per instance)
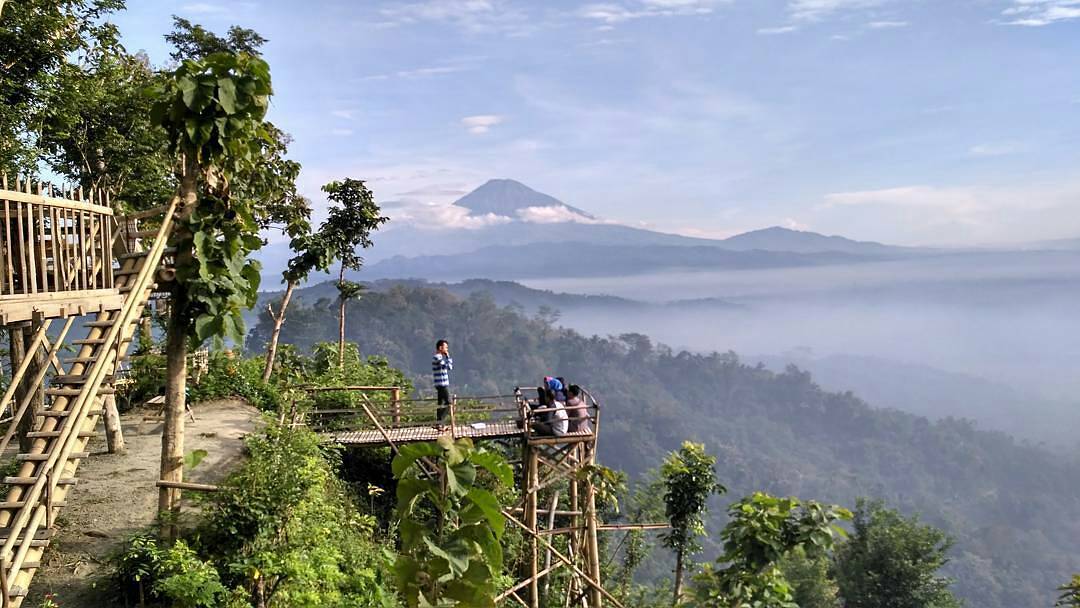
(506, 196)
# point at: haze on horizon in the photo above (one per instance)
(897, 121)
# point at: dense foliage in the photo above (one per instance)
(893, 562)
(764, 530)
(283, 532)
(1012, 509)
(689, 481)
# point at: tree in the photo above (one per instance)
(37, 38)
(689, 480)
(892, 562)
(96, 129)
(451, 526)
(349, 226)
(762, 531)
(212, 111)
(1070, 594)
(809, 579)
(193, 41)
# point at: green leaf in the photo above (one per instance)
(494, 464)
(193, 458)
(488, 504)
(409, 454)
(227, 95)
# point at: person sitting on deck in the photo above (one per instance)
(557, 386)
(552, 418)
(578, 411)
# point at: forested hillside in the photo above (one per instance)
(1014, 510)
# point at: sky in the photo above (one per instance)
(915, 122)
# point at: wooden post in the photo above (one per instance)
(547, 557)
(395, 394)
(114, 435)
(595, 598)
(533, 461)
(453, 417)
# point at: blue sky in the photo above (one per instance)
(905, 121)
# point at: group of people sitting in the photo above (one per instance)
(560, 409)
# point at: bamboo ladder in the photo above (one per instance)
(48, 469)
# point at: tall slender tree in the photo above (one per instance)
(689, 477)
(348, 226)
(212, 110)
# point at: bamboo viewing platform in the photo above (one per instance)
(553, 467)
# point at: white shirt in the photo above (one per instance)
(560, 422)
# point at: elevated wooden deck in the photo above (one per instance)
(56, 253)
(418, 434)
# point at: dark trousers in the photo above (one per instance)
(444, 402)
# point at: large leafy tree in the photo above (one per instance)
(762, 531)
(96, 129)
(193, 41)
(689, 478)
(892, 561)
(349, 225)
(38, 38)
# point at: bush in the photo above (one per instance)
(229, 376)
(147, 572)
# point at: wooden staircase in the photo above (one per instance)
(73, 404)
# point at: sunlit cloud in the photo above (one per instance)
(884, 25)
(481, 124)
(617, 12)
(1038, 13)
(773, 31)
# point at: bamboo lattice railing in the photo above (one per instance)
(53, 242)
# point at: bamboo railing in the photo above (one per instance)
(53, 243)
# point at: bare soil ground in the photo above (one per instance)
(116, 497)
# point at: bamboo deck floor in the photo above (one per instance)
(508, 429)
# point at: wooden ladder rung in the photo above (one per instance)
(18, 504)
(44, 457)
(55, 434)
(41, 534)
(82, 341)
(17, 591)
(86, 359)
(75, 392)
(63, 413)
(127, 289)
(78, 379)
(29, 481)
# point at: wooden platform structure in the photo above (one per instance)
(557, 510)
(61, 257)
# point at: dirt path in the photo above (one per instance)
(115, 496)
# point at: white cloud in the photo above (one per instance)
(814, 10)
(440, 216)
(341, 132)
(471, 15)
(955, 201)
(431, 71)
(883, 25)
(772, 31)
(555, 214)
(993, 150)
(793, 224)
(1037, 13)
(617, 12)
(481, 124)
(343, 114)
(203, 8)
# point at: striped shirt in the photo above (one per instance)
(440, 369)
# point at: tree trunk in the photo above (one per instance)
(341, 322)
(114, 434)
(678, 578)
(17, 351)
(279, 319)
(172, 435)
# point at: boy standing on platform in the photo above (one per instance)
(441, 364)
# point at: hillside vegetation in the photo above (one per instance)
(1013, 509)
